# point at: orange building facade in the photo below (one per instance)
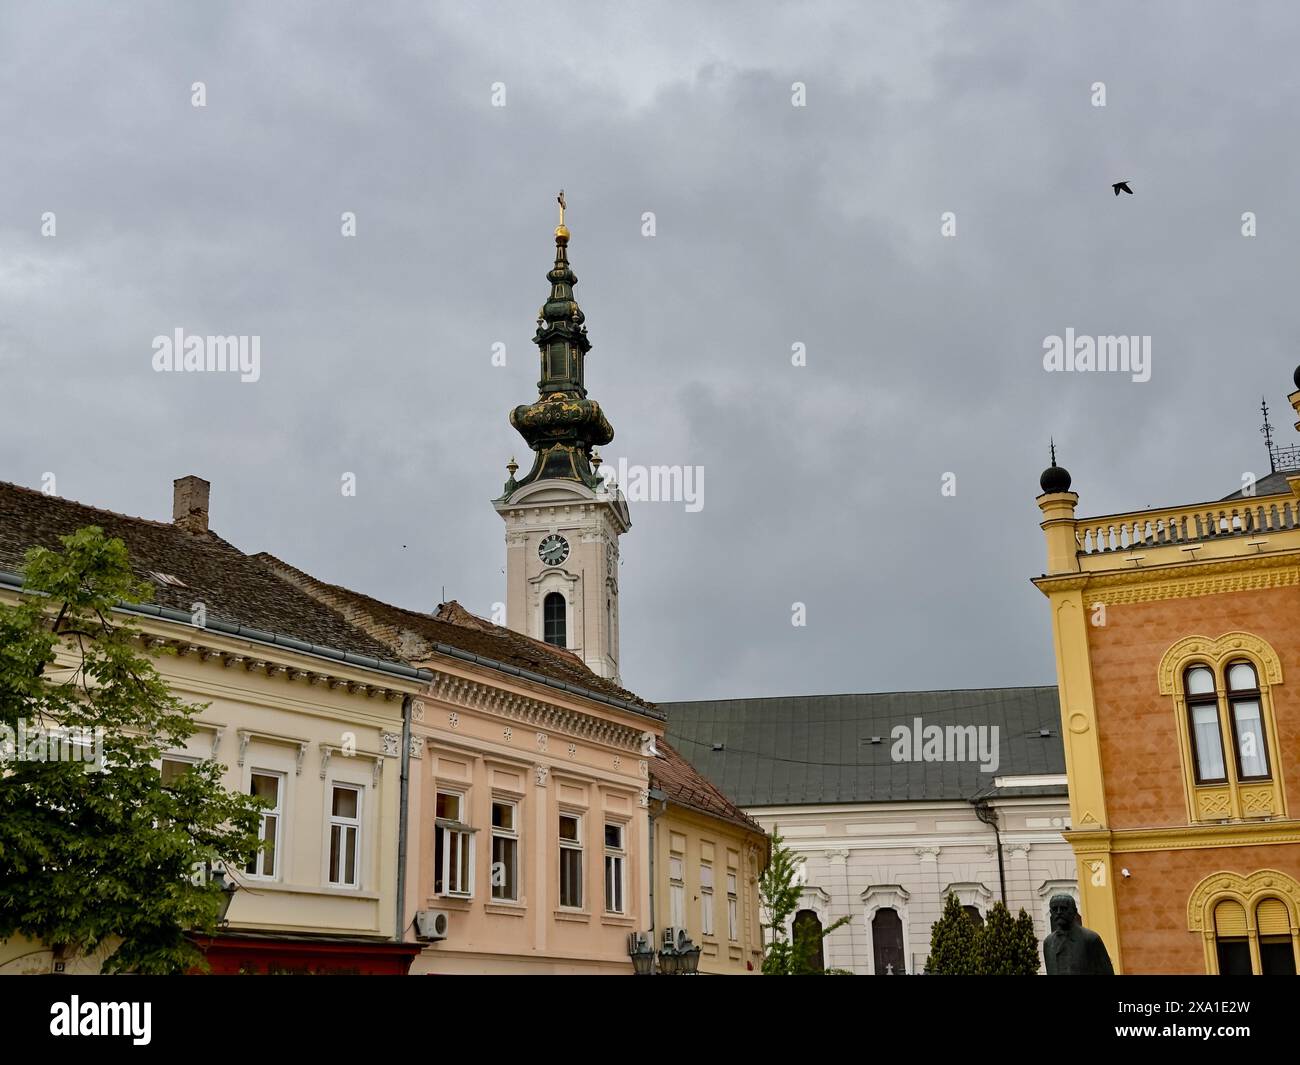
(1177, 638)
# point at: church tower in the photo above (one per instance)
(562, 524)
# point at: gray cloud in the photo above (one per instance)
(776, 225)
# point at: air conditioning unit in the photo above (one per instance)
(431, 924)
(676, 939)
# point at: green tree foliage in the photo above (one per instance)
(779, 892)
(92, 858)
(1000, 947)
(952, 942)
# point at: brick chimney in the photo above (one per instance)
(190, 503)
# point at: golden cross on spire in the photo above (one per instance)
(560, 200)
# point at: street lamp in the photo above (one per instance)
(641, 953)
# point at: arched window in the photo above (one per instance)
(1222, 693)
(1248, 923)
(1247, 722)
(887, 943)
(973, 912)
(1276, 954)
(554, 620)
(807, 940)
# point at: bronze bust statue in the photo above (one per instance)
(1071, 949)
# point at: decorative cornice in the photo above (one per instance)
(292, 675)
(1180, 581)
(527, 710)
(1191, 837)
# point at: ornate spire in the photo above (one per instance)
(1267, 430)
(563, 425)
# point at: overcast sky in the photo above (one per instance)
(775, 225)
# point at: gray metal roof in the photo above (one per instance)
(807, 750)
(1269, 485)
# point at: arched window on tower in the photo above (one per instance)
(554, 621)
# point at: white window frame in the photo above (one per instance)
(676, 891)
(733, 906)
(342, 823)
(277, 812)
(511, 833)
(616, 858)
(186, 761)
(706, 898)
(571, 845)
(446, 829)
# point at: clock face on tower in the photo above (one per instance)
(553, 550)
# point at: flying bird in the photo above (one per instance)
(1122, 186)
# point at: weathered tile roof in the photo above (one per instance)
(686, 786)
(411, 634)
(809, 750)
(232, 586)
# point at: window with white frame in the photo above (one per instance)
(571, 861)
(269, 787)
(615, 868)
(733, 911)
(676, 891)
(706, 899)
(345, 835)
(453, 848)
(505, 850)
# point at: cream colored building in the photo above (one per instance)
(302, 708)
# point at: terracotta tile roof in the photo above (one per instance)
(233, 586)
(410, 634)
(682, 783)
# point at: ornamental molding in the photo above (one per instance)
(535, 713)
(1217, 652)
(291, 674)
(1094, 843)
(1211, 577)
(1249, 891)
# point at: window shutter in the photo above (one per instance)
(1230, 918)
(1273, 918)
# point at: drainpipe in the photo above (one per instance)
(990, 817)
(403, 805)
(654, 795)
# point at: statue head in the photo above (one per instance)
(1064, 913)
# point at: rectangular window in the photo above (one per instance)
(706, 899)
(267, 787)
(345, 835)
(453, 849)
(571, 861)
(615, 868)
(1208, 743)
(505, 851)
(676, 892)
(1252, 750)
(733, 914)
(172, 770)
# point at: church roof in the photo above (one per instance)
(816, 749)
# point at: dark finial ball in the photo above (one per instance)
(1296, 377)
(1055, 479)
